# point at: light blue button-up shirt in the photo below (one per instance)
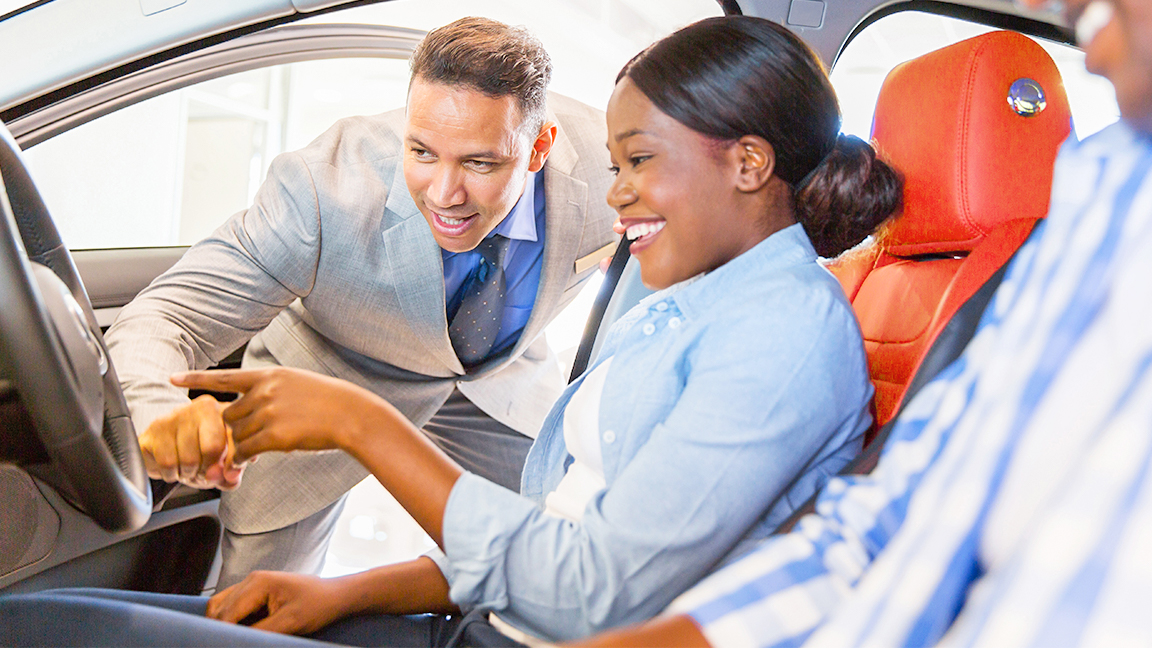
(728, 401)
(524, 226)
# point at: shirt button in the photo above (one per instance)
(662, 306)
(674, 323)
(649, 328)
(609, 436)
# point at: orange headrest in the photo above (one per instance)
(970, 160)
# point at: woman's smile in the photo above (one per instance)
(642, 234)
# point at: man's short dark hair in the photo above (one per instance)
(491, 57)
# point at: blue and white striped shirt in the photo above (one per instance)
(1013, 502)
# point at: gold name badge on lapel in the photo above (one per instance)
(590, 261)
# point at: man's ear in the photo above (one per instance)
(542, 146)
(757, 161)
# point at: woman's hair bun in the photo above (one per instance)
(847, 196)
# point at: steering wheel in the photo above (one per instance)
(52, 352)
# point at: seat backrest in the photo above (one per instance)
(974, 127)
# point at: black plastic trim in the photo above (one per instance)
(987, 17)
(79, 536)
(730, 7)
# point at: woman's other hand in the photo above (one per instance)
(302, 604)
(287, 603)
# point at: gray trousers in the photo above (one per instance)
(479, 443)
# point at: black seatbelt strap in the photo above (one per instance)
(599, 307)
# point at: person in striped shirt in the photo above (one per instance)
(1012, 504)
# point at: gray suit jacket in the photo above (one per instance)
(333, 269)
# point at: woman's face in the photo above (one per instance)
(676, 192)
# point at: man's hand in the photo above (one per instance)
(287, 603)
(192, 445)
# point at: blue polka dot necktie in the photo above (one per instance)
(474, 328)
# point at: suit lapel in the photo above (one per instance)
(413, 254)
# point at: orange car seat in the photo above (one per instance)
(974, 128)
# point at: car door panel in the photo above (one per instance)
(46, 542)
(113, 277)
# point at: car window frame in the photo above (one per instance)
(274, 46)
(102, 268)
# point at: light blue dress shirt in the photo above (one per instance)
(728, 402)
(524, 225)
(1012, 505)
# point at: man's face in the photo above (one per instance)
(1117, 39)
(466, 160)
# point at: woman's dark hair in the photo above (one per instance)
(732, 76)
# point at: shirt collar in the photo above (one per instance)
(786, 248)
(520, 224)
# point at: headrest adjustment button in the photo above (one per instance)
(1026, 98)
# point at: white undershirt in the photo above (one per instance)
(585, 476)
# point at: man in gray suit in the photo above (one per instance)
(361, 258)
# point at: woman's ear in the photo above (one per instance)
(757, 163)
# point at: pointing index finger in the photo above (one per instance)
(221, 380)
